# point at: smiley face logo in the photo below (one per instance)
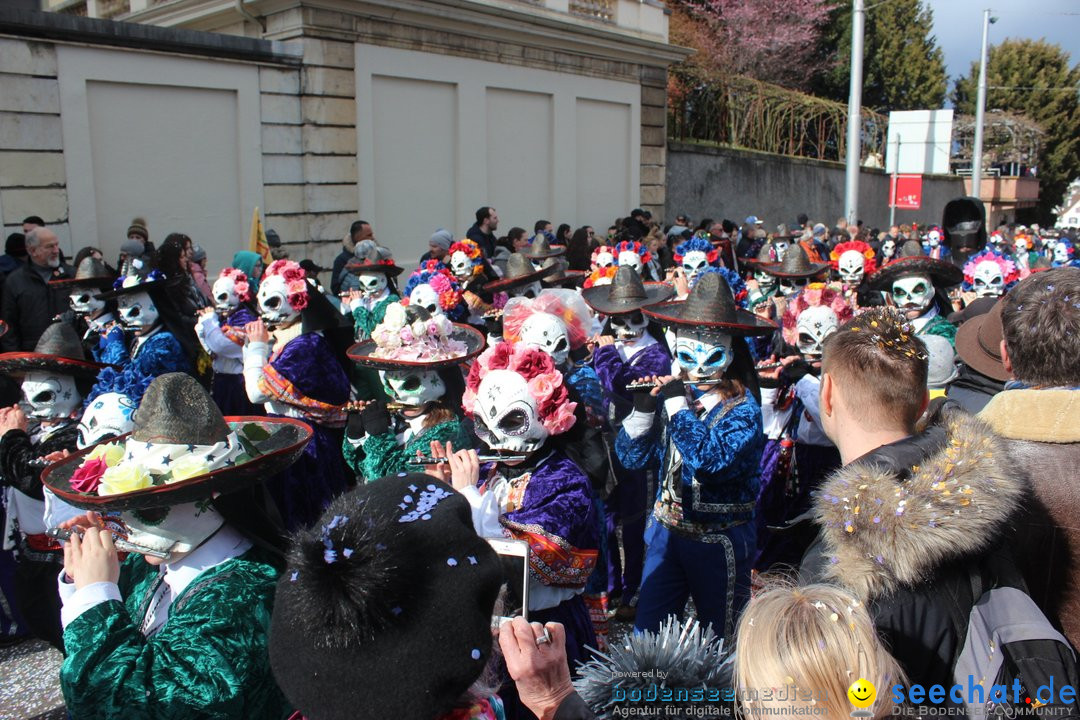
(862, 693)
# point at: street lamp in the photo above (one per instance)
(854, 117)
(980, 110)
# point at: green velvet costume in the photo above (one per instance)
(209, 660)
(365, 320)
(938, 325)
(380, 455)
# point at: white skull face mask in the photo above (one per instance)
(1020, 244)
(814, 325)
(225, 297)
(424, 296)
(460, 265)
(137, 311)
(51, 396)
(631, 258)
(702, 356)
(413, 387)
(988, 280)
(791, 285)
(603, 260)
(274, 304)
(629, 327)
(934, 238)
(371, 284)
(888, 248)
(765, 281)
(527, 291)
(1050, 243)
(850, 266)
(781, 247)
(694, 263)
(83, 302)
(109, 415)
(176, 529)
(548, 333)
(913, 293)
(506, 415)
(1061, 254)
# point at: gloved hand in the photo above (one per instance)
(645, 402)
(375, 418)
(675, 388)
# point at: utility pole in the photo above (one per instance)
(980, 111)
(854, 119)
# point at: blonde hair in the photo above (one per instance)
(819, 639)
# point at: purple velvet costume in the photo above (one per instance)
(628, 503)
(308, 378)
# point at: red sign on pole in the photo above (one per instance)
(906, 192)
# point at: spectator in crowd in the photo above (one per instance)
(981, 374)
(174, 259)
(277, 250)
(578, 254)
(251, 263)
(29, 304)
(1038, 414)
(543, 226)
(31, 223)
(483, 230)
(438, 246)
(562, 235)
(138, 231)
(197, 269)
(358, 231)
(518, 239)
(14, 253)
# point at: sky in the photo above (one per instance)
(958, 27)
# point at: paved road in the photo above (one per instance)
(30, 682)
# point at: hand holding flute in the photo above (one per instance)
(90, 557)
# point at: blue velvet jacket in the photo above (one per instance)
(708, 467)
(160, 354)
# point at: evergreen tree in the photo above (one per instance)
(903, 68)
(1033, 78)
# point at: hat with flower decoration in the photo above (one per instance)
(410, 337)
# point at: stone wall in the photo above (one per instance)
(709, 181)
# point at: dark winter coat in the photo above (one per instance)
(29, 306)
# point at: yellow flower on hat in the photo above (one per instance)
(188, 466)
(124, 478)
(111, 453)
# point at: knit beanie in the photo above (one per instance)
(138, 227)
(442, 238)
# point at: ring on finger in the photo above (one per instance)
(543, 639)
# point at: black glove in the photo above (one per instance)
(375, 418)
(354, 426)
(494, 325)
(675, 388)
(644, 402)
(796, 371)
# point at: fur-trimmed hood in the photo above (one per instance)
(882, 531)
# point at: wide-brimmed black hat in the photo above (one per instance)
(151, 282)
(519, 271)
(58, 350)
(711, 306)
(177, 410)
(91, 272)
(562, 277)
(795, 264)
(942, 272)
(384, 608)
(369, 257)
(473, 339)
(626, 293)
(541, 249)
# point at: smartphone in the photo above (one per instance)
(514, 596)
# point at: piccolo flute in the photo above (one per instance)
(769, 366)
(121, 543)
(360, 404)
(507, 457)
(650, 385)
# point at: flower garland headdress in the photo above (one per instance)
(1009, 271)
(240, 283)
(295, 281)
(567, 305)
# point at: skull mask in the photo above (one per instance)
(137, 311)
(225, 297)
(765, 281)
(913, 293)
(83, 302)
(506, 415)
(372, 284)
(424, 296)
(851, 267)
(933, 238)
(461, 265)
(631, 258)
(274, 304)
(527, 291)
(629, 327)
(703, 356)
(603, 260)
(694, 263)
(791, 285)
(888, 248)
(1061, 254)
(1050, 243)
(988, 280)
(109, 415)
(175, 529)
(781, 247)
(548, 333)
(413, 387)
(814, 325)
(51, 397)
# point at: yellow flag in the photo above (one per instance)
(258, 238)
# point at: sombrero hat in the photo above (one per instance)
(942, 272)
(541, 249)
(519, 271)
(711, 306)
(394, 345)
(795, 264)
(58, 350)
(91, 272)
(181, 450)
(626, 293)
(766, 256)
(370, 257)
(563, 277)
(130, 284)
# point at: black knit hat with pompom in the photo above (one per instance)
(384, 609)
